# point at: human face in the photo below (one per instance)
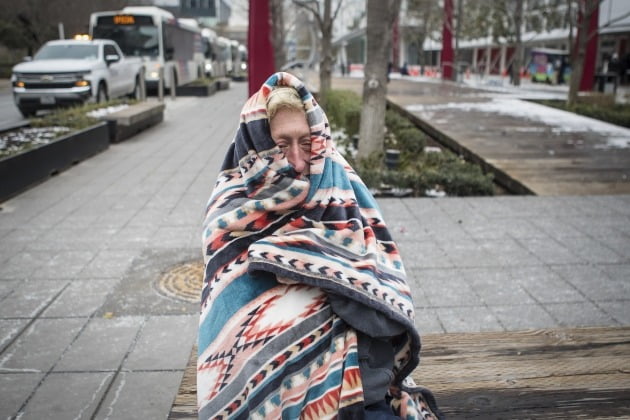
(292, 134)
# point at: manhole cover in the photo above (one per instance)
(182, 281)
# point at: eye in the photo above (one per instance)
(305, 144)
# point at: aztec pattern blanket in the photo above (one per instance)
(275, 244)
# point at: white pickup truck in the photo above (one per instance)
(67, 72)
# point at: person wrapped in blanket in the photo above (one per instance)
(305, 308)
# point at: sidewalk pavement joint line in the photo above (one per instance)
(34, 318)
(119, 369)
(68, 347)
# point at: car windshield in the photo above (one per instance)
(60, 51)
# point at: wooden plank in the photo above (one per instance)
(563, 373)
(552, 374)
(185, 404)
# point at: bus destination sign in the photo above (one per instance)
(124, 20)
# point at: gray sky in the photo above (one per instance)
(239, 13)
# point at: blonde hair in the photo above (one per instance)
(283, 97)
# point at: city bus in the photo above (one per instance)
(224, 51)
(213, 65)
(154, 34)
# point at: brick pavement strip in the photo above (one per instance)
(84, 333)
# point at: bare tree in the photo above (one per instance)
(33, 22)
(324, 20)
(380, 18)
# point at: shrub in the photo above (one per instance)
(444, 171)
(411, 141)
(618, 114)
(454, 175)
(202, 81)
(417, 171)
(75, 118)
(396, 122)
(343, 108)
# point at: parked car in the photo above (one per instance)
(67, 72)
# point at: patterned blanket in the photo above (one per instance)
(275, 244)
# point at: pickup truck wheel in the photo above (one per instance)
(101, 95)
(27, 112)
(135, 94)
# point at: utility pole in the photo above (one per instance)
(260, 62)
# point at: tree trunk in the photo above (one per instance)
(446, 57)
(326, 59)
(518, 50)
(380, 17)
(276, 8)
(458, 34)
(585, 10)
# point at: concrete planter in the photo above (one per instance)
(23, 170)
(203, 90)
(196, 90)
(133, 119)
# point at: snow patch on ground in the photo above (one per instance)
(101, 112)
(561, 121)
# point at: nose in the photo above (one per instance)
(297, 158)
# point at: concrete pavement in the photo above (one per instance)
(86, 332)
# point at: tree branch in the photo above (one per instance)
(314, 10)
(337, 10)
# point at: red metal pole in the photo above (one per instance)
(446, 57)
(260, 63)
(590, 57)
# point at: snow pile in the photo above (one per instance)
(101, 112)
(561, 121)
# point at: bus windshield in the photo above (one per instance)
(134, 40)
(56, 52)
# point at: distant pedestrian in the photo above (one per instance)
(404, 70)
(625, 68)
(306, 312)
(562, 70)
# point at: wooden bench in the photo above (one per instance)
(551, 374)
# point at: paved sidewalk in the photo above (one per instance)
(86, 333)
(83, 331)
